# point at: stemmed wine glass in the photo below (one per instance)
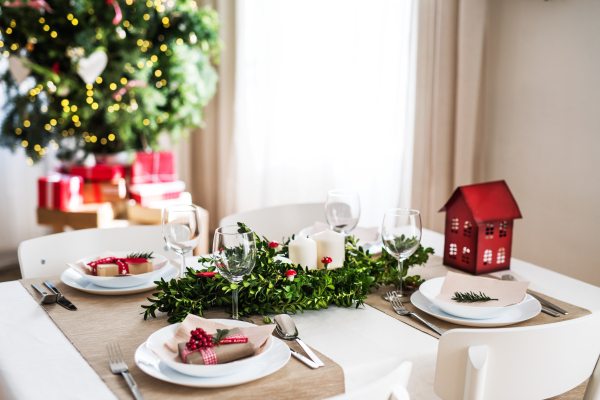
(342, 210)
(401, 235)
(181, 229)
(234, 253)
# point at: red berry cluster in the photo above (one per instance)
(200, 338)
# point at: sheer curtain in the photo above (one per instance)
(324, 99)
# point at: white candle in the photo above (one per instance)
(330, 244)
(303, 251)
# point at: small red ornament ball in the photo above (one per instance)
(272, 245)
(326, 260)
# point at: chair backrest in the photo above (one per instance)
(276, 223)
(390, 387)
(528, 363)
(48, 255)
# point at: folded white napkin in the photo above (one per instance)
(367, 236)
(507, 292)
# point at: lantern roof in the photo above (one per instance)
(489, 201)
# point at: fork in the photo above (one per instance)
(401, 310)
(118, 366)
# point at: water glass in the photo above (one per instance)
(342, 210)
(181, 229)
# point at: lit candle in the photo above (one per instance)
(303, 251)
(330, 244)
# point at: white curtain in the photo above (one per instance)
(324, 100)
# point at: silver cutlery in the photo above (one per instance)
(541, 300)
(304, 359)
(60, 299)
(118, 367)
(401, 310)
(46, 297)
(286, 328)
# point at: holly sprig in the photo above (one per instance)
(221, 333)
(266, 289)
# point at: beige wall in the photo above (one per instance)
(542, 127)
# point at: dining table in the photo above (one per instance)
(37, 361)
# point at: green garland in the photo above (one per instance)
(267, 290)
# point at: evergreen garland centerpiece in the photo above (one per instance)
(104, 75)
(268, 290)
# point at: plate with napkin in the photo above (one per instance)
(367, 236)
(239, 347)
(123, 270)
(448, 294)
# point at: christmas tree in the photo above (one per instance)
(105, 75)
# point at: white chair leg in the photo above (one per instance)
(592, 392)
(476, 371)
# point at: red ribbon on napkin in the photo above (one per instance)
(123, 263)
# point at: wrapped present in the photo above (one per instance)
(153, 167)
(124, 266)
(233, 346)
(60, 192)
(99, 172)
(152, 213)
(102, 192)
(94, 215)
(146, 194)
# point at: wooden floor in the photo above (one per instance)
(10, 273)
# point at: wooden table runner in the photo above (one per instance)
(100, 320)
(435, 268)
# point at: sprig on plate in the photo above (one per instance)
(471, 297)
(148, 255)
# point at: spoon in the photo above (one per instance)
(286, 328)
(46, 298)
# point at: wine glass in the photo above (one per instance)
(401, 235)
(342, 210)
(234, 253)
(181, 229)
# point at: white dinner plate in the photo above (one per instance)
(161, 336)
(525, 310)
(432, 287)
(72, 278)
(159, 261)
(272, 361)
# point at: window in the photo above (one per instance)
(452, 250)
(487, 257)
(503, 229)
(454, 225)
(467, 229)
(489, 231)
(501, 256)
(465, 255)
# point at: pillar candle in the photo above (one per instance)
(303, 251)
(330, 244)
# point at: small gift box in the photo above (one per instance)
(153, 167)
(113, 266)
(146, 194)
(233, 346)
(104, 192)
(100, 172)
(62, 192)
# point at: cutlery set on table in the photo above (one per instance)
(54, 297)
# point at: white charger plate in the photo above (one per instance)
(432, 287)
(159, 261)
(523, 311)
(272, 361)
(158, 339)
(72, 278)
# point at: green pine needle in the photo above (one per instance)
(221, 333)
(148, 255)
(471, 297)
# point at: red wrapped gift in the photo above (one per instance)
(148, 193)
(102, 192)
(58, 191)
(154, 167)
(100, 172)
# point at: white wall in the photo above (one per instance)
(542, 127)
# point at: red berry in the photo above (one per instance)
(192, 332)
(193, 347)
(272, 245)
(192, 341)
(188, 344)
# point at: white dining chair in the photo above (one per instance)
(527, 363)
(276, 223)
(390, 387)
(48, 255)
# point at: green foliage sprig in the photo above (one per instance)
(267, 290)
(471, 297)
(148, 255)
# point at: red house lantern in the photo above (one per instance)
(479, 225)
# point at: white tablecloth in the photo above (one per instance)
(38, 362)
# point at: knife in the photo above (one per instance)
(62, 300)
(305, 360)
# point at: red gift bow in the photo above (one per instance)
(123, 263)
(208, 354)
